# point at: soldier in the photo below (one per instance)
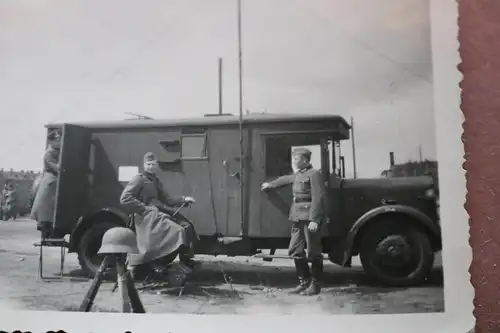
(2, 202)
(44, 202)
(307, 216)
(159, 238)
(10, 202)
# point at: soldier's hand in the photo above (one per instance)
(264, 186)
(189, 199)
(313, 226)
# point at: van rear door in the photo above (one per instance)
(73, 180)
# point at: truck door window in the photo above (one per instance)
(193, 146)
(278, 157)
(279, 153)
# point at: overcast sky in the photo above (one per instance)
(72, 60)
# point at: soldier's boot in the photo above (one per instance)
(302, 269)
(314, 287)
(135, 273)
(45, 229)
(186, 255)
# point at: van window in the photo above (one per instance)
(278, 157)
(279, 153)
(193, 146)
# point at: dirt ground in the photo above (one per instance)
(251, 285)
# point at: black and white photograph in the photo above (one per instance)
(229, 157)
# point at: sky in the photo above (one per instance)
(81, 60)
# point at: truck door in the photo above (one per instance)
(332, 186)
(226, 178)
(275, 204)
(73, 181)
(325, 173)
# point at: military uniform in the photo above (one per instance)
(2, 202)
(305, 245)
(159, 238)
(44, 201)
(9, 204)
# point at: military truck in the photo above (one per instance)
(392, 223)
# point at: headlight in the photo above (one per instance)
(430, 193)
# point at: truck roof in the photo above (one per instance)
(208, 120)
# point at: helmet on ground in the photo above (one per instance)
(118, 240)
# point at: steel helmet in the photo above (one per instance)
(118, 240)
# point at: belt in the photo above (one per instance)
(301, 200)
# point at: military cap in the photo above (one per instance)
(302, 152)
(149, 157)
(54, 134)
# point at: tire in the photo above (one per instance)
(90, 243)
(410, 267)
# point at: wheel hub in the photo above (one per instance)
(394, 249)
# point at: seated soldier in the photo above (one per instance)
(159, 237)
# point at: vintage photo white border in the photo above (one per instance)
(457, 255)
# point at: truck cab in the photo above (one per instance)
(390, 222)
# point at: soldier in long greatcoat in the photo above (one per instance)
(43, 207)
(9, 203)
(159, 237)
(307, 217)
(2, 202)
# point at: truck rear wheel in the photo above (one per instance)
(90, 244)
(396, 254)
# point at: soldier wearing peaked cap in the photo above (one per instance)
(44, 192)
(159, 237)
(307, 217)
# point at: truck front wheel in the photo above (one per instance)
(89, 245)
(396, 254)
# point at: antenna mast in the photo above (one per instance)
(353, 149)
(240, 76)
(220, 86)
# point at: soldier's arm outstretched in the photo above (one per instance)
(282, 181)
(130, 194)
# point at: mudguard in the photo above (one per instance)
(85, 222)
(399, 210)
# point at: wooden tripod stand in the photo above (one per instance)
(130, 297)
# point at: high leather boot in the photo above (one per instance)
(186, 255)
(140, 273)
(45, 229)
(304, 275)
(314, 287)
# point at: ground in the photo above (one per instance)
(250, 285)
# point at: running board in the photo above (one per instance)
(268, 257)
(229, 240)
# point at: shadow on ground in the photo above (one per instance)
(208, 280)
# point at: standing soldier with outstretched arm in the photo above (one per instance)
(307, 217)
